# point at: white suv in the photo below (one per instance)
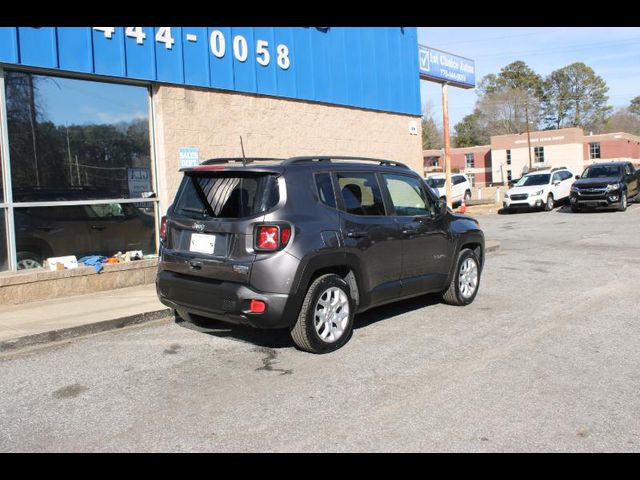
(460, 187)
(542, 188)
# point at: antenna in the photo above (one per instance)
(244, 158)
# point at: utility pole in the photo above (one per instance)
(526, 113)
(34, 124)
(69, 156)
(447, 145)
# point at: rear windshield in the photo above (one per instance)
(226, 196)
(435, 182)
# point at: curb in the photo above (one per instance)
(13, 344)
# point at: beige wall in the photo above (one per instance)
(569, 155)
(213, 121)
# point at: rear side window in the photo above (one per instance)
(226, 196)
(325, 189)
(361, 193)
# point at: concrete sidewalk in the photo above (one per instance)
(59, 319)
(62, 318)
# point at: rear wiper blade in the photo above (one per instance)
(195, 210)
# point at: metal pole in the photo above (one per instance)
(34, 123)
(447, 145)
(526, 112)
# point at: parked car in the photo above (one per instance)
(460, 187)
(79, 230)
(605, 185)
(542, 188)
(307, 242)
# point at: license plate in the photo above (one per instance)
(202, 243)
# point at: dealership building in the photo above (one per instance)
(507, 157)
(95, 122)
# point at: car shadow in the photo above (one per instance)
(280, 338)
(567, 209)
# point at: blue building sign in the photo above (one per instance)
(443, 67)
(365, 67)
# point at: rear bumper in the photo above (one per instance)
(225, 301)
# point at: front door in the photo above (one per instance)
(426, 246)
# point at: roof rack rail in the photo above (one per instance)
(214, 161)
(330, 158)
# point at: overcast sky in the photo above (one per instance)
(613, 53)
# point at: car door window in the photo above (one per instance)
(408, 196)
(360, 194)
(325, 189)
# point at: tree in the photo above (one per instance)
(432, 135)
(470, 131)
(622, 121)
(511, 100)
(634, 107)
(574, 96)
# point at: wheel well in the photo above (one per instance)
(476, 248)
(346, 273)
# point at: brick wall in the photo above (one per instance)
(273, 127)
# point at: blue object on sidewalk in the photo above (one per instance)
(93, 260)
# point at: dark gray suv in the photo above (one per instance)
(307, 242)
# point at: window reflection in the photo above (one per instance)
(80, 230)
(4, 263)
(75, 139)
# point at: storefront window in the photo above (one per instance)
(75, 139)
(78, 141)
(4, 263)
(80, 230)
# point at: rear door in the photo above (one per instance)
(370, 234)
(457, 188)
(210, 230)
(426, 246)
(631, 180)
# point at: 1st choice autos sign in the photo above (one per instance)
(443, 67)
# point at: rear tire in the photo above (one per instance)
(321, 326)
(467, 197)
(466, 280)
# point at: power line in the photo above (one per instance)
(572, 48)
(486, 39)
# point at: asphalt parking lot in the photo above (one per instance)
(545, 359)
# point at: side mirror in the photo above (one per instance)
(577, 177)
(556, 183)
(442, 207)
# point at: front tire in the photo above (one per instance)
(466, 280)
(325, 322)
(548, 206)
(28, 260)
(622, 206)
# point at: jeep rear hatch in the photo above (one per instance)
(210, 232)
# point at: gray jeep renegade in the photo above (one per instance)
(307, 242)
